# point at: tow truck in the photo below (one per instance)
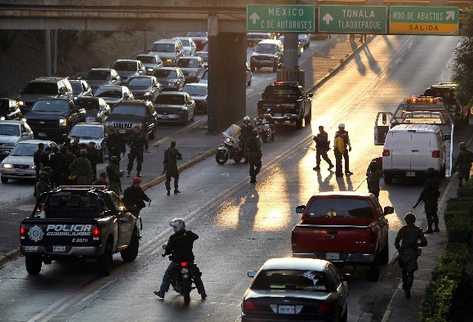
(419, 135)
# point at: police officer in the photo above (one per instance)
(43, 185)
(373, 176)
(341, 149)
(94, 157)
(430, 195)
(246, 131)
(254, 155)
(80, 169)
(322, 146)
(171, 155)
(58, 165)
(40, 159)
(114, 175)
(408, 240)
(180, 246)
(115, 143)
(137, 146)
(134, 198)
(463, 163)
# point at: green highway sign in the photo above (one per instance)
(280, 18)
(424, 20)
(353, 19)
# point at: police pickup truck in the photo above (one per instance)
(287, 103)
(78, 222)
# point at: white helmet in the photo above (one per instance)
(246, 119)
(341, 126)
(177, 224)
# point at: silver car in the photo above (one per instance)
(92, 132)
(20, 164)
(11, 132)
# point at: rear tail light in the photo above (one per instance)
(248, 306)
(326, 308)
(184, 264)
(96, 232)
(23, 230)
(436, 154)
(386, 153)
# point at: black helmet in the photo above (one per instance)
(410, 218)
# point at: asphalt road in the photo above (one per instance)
(241, 226)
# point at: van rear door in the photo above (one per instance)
(425, 151)
(397, 151)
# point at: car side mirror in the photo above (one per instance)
(388, 210)
(251, 274)
(300, 209)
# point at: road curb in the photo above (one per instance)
(9, 256)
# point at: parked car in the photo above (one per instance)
(53, 118)
(170, 50)
(175, 107)
(114, 94)
(96, 109)
(19, 164)
(191, 67)
(255, 37)
(131, 115)
(90, 132)
(144, 87)
(170, 78)
(10, 109)
(127, 68)
(200, 39)
(188, 45)
(44, 87)
(199, 94)
(80, 88)
(151, 62)
(97, 77)
(296, 289)
(268, 53)
(304, 40)
(344, 228)
(12, 132)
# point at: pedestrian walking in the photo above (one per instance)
(57, 163)
(342, 146)
(137, 145)
(171, 155)
(114, 175)
(408, 240)
(322, 146)
(81, 170)
(463, 164)
(254, 153)
(373, 176)
(245, 133)
(94, 157)
(40, 159)
(430, 195)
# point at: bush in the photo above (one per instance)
(459, 225)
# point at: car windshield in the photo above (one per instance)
(109, 93)
(290, 280)
(281, 91)
(340, 207)
(134, 110)
(141, 82)
(147, 59)
(170, 100)
(195, 90)
(24, 149)
(9, 130)
(54, 106)
(87, 132)
(98, 75)
(188, 63)
(76, 87)
(265, 48)
(41, 88)
(165, 73)
(185, 42)
(163, 48)
(126, 66)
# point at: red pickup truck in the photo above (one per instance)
(344, 228)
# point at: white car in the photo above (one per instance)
(175, 107)
(89, 132)
(19, 164)
(11, 132)
(188, 45)
(199, 94)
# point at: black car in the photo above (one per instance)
(144, 87)
(268, 53)
(78, 222)
(151, 62)
(296, 289)
(54, 117)
(287, 103)
(96, 109)
(131, 115)
(44, 87)
(170, 78)
(10, 109)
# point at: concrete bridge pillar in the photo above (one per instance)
(226, 78)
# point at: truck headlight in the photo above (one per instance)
(62, 122)
(7, 166)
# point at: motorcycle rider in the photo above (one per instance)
(341, 149)
(322, 146)
(254, 155)
(134, 198)
(408, 240)
(180, 246)
(246, 131)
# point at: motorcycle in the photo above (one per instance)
(265, 128)
(182, 280)
(230, 148)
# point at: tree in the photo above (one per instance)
(464, 60)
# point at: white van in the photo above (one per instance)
(411, 149)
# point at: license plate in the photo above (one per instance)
(286, 309)
(59, 249)
(332, 256)
(410, 174)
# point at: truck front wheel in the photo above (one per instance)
(105, 261)
(130, 253)
(33, 264)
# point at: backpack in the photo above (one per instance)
(339, 144)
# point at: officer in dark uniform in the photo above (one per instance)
(58, 165)
(322, 146)
(40, 159)
(114, 175)
(408, 240)
(171, 155)
(245, 133)
(94, 157)
(430, 195)
(373, 176)
(134, 198)
(254, 154)
(137, 146)
(463, 163)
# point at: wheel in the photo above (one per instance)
(221, 157)
(373, 273)
(4, 180)
(388, 178)
(33, 264)
(187, 298)
(383, 257)
(130, 253)
(300, 123)
(105, 261)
